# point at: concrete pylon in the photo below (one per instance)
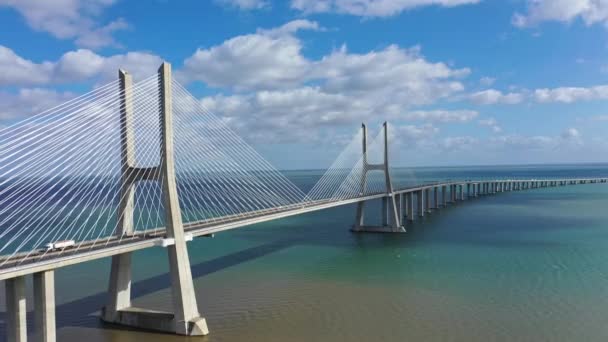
(185, 318)
(390, 210)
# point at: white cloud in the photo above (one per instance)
(441, 116)
(15, 70)
(571, 134)
(538, 11)
(278, 89)
(393, 75)
(73, 66)
(245, 4)
(521, 142)
(571, 94)
(272, 59)
(266, 59)
(28, 101)
(415, 135)
(286, 115)
(371, 8)
(492, 124)
(459, 143)
(69, 19)
(493, 96)
(487, 81)
(291, 28)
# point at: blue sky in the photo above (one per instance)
(460, 81)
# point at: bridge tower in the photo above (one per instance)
(391, 220)
(185, 319)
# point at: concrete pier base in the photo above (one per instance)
(159, 321)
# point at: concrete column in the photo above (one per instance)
(436, 197)
(420, 201)
(461, 192)
(444, 195)
(410, 206)
(360, 214)
(399, 200)
(15, 323)
(44, 306)
(395, 223)
(427, 197)
(187, 319)
(119, 287)
(384, 211)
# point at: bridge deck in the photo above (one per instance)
(40, 260)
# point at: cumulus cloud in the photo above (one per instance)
(15, 70)
(541, 95)
(572, 135)
(571, 94)
(394, 74)
(272, 59)
(266, 59)
(371, 8)
(538, 11)
(28, 101)
(69, 19)
(73, 66)
(493, 96)
(487, 81)
(492, 124)
(244, 4)
(275, 88)
(569, 138)
(521, 142)
(459, 143)
(439, 116)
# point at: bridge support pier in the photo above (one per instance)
(420, 202)
(391, 218)
(185, 318)
(44, 306)
(15, 323)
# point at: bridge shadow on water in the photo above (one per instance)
(83, 312)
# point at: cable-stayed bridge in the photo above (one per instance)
(131, 166)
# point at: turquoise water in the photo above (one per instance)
(520, 266)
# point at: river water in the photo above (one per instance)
(520, 266)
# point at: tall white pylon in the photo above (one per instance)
(391, 221)
(185, 319)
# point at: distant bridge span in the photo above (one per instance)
(204, 187)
